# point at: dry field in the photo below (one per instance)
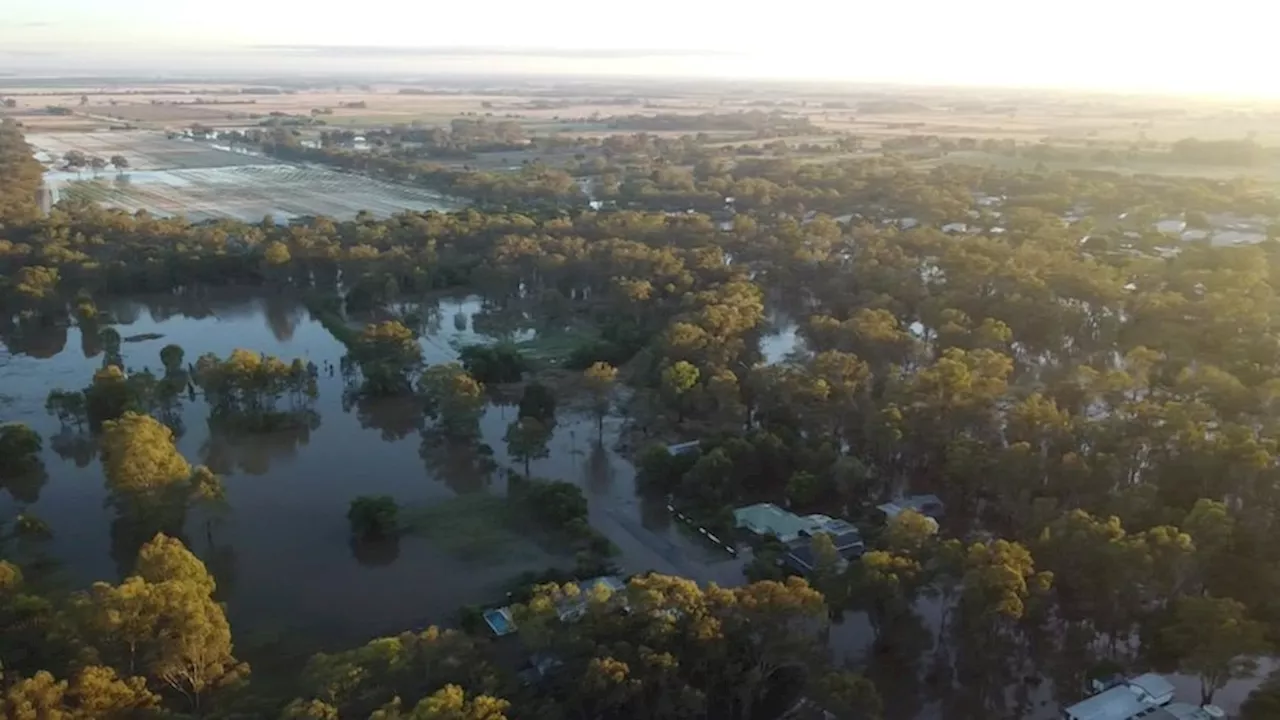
(200, 181)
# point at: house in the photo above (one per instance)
(764, 519)
(800, 557)
(574, 608)
(1140, 697)
(1171, 226)
(928, 505)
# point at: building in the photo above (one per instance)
(768, 519)
(800, 551)
(797, 531)
(1140, 697)
(928, 505)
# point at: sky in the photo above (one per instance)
(1191, 46)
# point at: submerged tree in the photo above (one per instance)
(389, 357)
(600, 379)
(454, 398)
(526, 440)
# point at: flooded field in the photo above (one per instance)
(282, 553)
(202, 181)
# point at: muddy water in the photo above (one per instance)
(282, 553)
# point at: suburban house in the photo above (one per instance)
(501, 622)
(1149, 697)
(796, 532)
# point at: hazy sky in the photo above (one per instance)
(1158, 45)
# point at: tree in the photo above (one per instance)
(600, 379)
(1264, 702)
(539, 403)
(98, 164)
(447, 703)
(388, 355)
(166, 559)
(20, 448)
(374, 516)
(172, 356)
(139, 455)
(276, 254)
(120, 162)
(1215, 639)
(453, 397)
(526, 440)
(96, 693)
(849, 695)
(677, 381)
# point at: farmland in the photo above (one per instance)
(170, 177)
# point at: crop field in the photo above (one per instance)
(202, 182)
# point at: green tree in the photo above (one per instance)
(388, 355)
(454, 398)
(538, 402)
(20, 448)
(849, 695)
(527, 440)
(1215, 639)
(374, 516)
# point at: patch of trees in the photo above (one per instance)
(762, 124)
(21, 177)
(1241, 153)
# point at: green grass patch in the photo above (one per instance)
(328, 312)
(472, 527)
(556, 346)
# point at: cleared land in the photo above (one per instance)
(202, 182)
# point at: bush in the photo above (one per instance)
(491, 364)
(374, 516)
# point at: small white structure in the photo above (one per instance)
(955, 227)
(1171, 226)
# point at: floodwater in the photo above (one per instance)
(282, 554)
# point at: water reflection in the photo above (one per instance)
(463, 466)
(393, 418)
(25, 486)
(228, 452)
(77, 447)
(375, 552)
(40, 337)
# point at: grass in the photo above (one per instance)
(555, 346)
(472, 527)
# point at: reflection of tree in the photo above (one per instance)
(78, 447)
(90, 341)
(228, 452)
(375, 552)
(394, 417)
(460, 464)
(25, 485)
(897, 665)
(40, 336)
(282, 315)
(598, 469)
(220, 559)
(138, 519)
